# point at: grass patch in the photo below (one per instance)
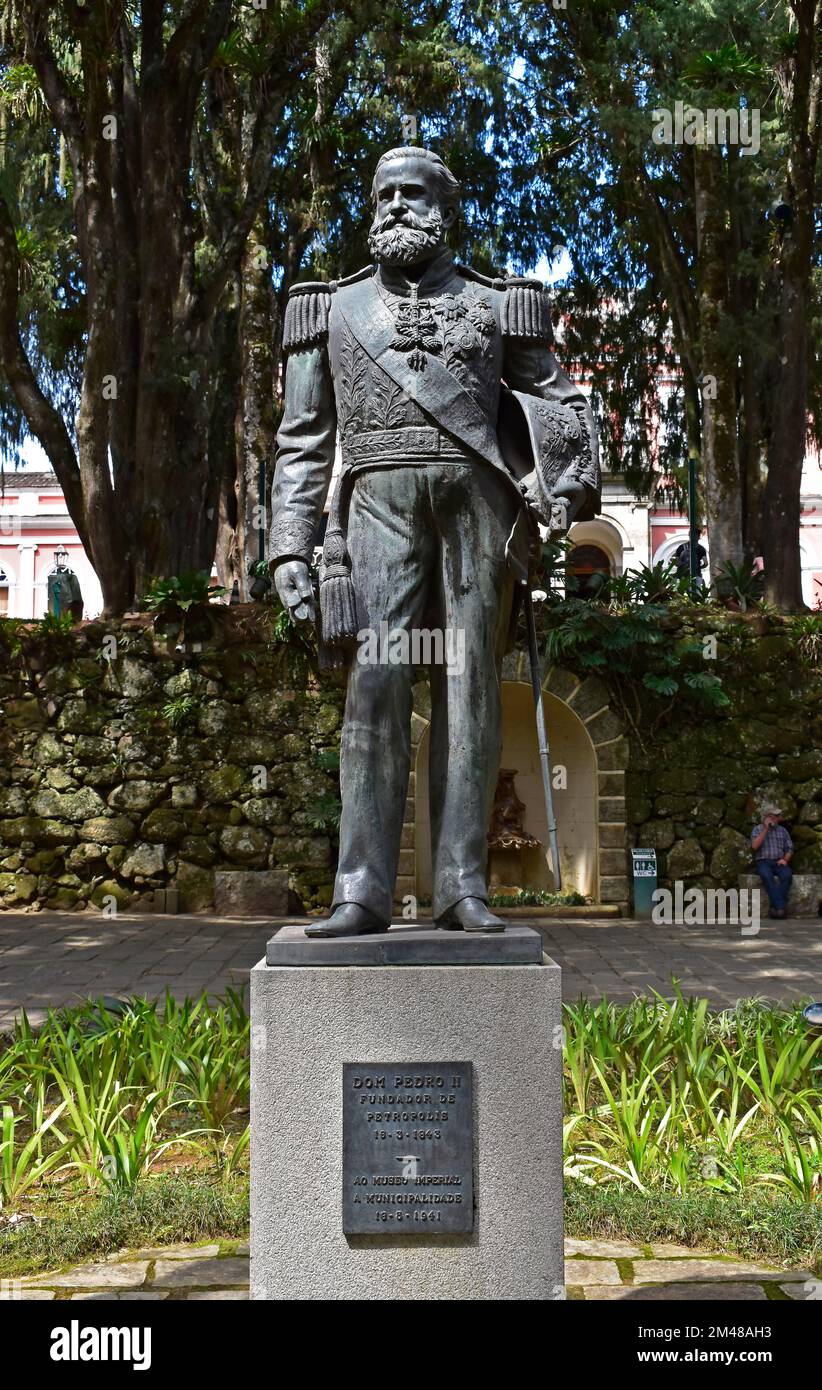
(160, 1211)
(173, 1209)
(758, 1227)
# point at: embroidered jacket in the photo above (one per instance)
(407, 373)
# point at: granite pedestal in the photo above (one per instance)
(500, 1015)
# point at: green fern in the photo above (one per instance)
(180, 711)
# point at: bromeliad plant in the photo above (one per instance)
(180, 604)
(657, 583)
(168, 598)
(806, 633)
(740, 586)
(669, 1095)
(180, 711)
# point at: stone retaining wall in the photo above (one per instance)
(695, 787)
(127, 766)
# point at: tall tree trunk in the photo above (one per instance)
(782, 504)
(125, 188)
(783, 566)
(255, 423)
(720, 459)
(170, 432)
(743, 305)
(107, 551)
(222, 443)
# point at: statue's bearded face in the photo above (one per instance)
(410, 222)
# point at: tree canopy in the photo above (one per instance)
(169, 170)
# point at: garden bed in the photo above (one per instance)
(128, 1126)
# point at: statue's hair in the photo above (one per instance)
(449, 188)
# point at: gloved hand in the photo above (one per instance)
(292, 580)
(569, 493)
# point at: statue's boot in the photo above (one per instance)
(470, 914)
(349, 919)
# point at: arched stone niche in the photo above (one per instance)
(587, 740)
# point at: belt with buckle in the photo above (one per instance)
(415, 444)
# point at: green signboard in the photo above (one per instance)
(644, 865)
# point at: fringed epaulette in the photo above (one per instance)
(526, 310)
(306, 315)
(491, 282)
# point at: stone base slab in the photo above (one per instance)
(308, 1021)
(406, 945)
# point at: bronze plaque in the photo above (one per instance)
(408, 1148)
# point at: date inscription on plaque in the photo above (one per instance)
(408, 1148)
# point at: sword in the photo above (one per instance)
(542, 735)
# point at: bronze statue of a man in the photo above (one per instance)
(457, 428)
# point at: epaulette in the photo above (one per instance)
(526, 310)
(306, 314)
(491, 282)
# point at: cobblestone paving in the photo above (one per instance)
(594, 1269)
(60, 958)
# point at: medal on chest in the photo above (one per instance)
(456, 327)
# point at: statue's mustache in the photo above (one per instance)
(405, 239)
(406, 219)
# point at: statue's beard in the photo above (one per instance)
(407, 242)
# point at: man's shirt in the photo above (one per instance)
(682, 557)
(777, 842)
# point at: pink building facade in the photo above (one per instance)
(34, 523)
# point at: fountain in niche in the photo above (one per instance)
(507, 837)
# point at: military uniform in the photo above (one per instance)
(409, 376)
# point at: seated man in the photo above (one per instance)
(773, 848)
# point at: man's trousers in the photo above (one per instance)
(427, 545)
(777, 879)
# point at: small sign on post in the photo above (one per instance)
(644, 867)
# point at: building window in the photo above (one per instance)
(4, 594)
(590, 567)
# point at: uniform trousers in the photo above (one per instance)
(427, 546)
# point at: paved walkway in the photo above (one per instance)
(594, 1270)
(59, 958)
